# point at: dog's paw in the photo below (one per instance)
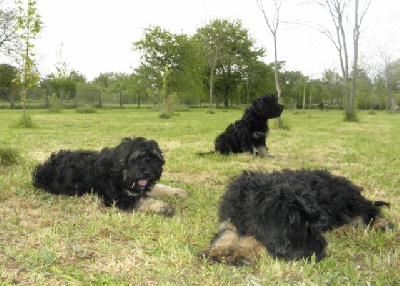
(167, 210)
(205, 255)
(269, 155)
(228, 259)
(156, 206)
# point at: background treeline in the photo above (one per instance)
(220, 65)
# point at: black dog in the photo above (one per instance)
(286, 213)
(123, 175)
(248, 134)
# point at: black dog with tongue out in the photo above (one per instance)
(123, 175)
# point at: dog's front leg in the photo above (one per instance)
(230, 248)
(160, 189)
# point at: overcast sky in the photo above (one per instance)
(97, 35)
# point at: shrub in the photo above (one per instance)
(24, 122)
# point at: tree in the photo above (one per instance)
(88, 93)
(7, 74)
(273, 26)
(256, 78)
(229, 51)
(7, 86)
(387, 57)
(29, 26)
(60, 82)
(162, 51)
(364, 90)
(293, 87)
(337, 10)
(358, 19)
(333, 83)
(212, 37)
(394, 70)
(9, 39)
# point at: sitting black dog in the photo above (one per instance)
(249, 134)
(286, 213)
(123, 175)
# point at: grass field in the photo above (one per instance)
(56, 240)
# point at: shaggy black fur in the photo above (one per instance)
(248, 134)
(287, 213)
(121, 175)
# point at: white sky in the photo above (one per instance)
(97, 35)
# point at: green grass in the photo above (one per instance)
(57, 240)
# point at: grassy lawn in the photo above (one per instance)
(56, 240)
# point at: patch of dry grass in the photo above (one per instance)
(57, 240)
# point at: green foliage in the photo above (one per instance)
(25, 121)
(29, 25)
(159, 49)
(230, 53)
(7, 75)
(88, 93)
(350, 117)
(9, 40)
(55, 104)
(169, 99)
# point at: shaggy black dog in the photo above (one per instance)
(286, 213)
(123, 175)
(248, 134)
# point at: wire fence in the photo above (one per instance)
(41, 98)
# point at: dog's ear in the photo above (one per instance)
(303, 209)
(246, 173)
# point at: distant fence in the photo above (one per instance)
(40, 98)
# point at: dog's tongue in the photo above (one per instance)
(142, 183)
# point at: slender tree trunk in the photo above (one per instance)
(212, 69)
(304, 95)
(12, 95)
(211, 88)
(276, 73)
(356, 35)
(388, 91)
(25, 89)
(278, 87)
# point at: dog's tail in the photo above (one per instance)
(202, 154)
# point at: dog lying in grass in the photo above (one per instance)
(124, 175)
(287, 213)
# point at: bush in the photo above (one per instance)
(165, 115)
(24, 122)
(55, 104)
(350, 118)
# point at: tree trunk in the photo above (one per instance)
(388, 91)
(351, 115)
(277, 85)
(212, 69)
